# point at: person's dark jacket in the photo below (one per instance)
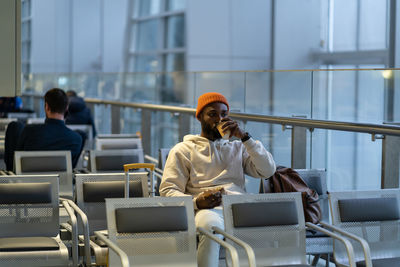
(78, 113)
(13, 132)
(52, 135)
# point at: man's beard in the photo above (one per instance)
(210, 131)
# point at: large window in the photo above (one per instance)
(26, 36)
(157, 36)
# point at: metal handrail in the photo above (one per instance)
(295, 121)
(383, 129)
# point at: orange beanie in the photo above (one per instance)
(208, 98)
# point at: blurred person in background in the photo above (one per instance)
(52, 135)
(78, 112)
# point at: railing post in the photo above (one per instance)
(299, 147)
(91, 106)
(37, 106)
(184, 125)
(146, 131)
(390, 162)
(115, 119)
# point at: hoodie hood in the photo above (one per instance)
(197, 139)
(76, 104)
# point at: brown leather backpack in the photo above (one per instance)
(288, 180)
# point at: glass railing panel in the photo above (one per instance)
(139, 87)
(164, 131)
(230, 84)
(130, 120)
(292, 94)
(176, 88)
(102, 119)
(279, 93)
(349, 95)
(352, 160)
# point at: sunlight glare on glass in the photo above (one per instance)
(62, 81)
(387, 74)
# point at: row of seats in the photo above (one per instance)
(150, 231)
(317, 181)
(271, 225)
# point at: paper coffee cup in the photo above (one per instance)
(225, 135)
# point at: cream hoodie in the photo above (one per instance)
(198, 164)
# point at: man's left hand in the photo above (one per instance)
(233, 127)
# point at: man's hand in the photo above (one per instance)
(210, 198)
(233, 126)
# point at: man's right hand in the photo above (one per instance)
(209, 199)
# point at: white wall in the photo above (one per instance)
(78, 36)
(50, 36)
(222, 35)
(297, 33)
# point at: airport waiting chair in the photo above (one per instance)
(371, 220)
(162, 157)
(273, 226)
(317, 243)
(91, 192)
(3, 125)
(157, 231)
(88, 130)
(118, 143)
(47, 162)
(29, 220)
(113, 160)
(35, 120)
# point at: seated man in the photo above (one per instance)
(78, 112)
(53, 134)
(205, 166)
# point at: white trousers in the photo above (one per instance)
(208, 250)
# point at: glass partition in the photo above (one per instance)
(352, 160)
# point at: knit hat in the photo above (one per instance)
(209, 98)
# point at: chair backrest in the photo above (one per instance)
(88, 130)
(118, 143)
(162, 157)
(372, 215)
(158, 231)
(47, 162)
(113, 160)
(92, 190)
(316, 179)
(272, 224)
(29, 206)
(3, 124)
(35, 120)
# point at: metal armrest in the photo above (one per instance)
(249, 251)
(348, 245)
(229, 247)
(151, 159)
(74, 231)
(124, 258)
(363, 242)
(85, 224)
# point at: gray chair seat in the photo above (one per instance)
(13, 244)
(294, 265)
(389, 262)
